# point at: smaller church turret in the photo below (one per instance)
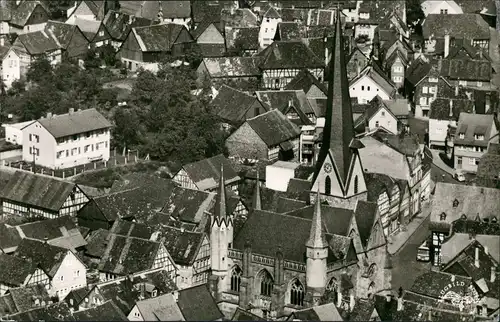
(316, 254)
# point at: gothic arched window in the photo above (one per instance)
(332, 285)
(371, 287)
(371, 270)
(236, 279)
(328, 185)
(266, 283)
(297, 293)
(356, 184)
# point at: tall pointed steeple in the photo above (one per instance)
(220, 211)
(256, 201)
(317, 237)
(339, 130)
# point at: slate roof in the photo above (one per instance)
(298, 189)
(62, 232)
(119, 24)
(9, 238)
(274, 128)
(122, 293)
(246, 38)
(233, 66)
(440, 108)
(49, 257)
(241, 17)
(458, 242)
(280, 100)
(365, 214)
(287, 31)
(14, 270)
(62, 32)
(417, 70)
(54, 312)
(206, 11)
(21, 14)
(157, 38)
(161, 308)
(182, 245)
(464, 26)
(36, 190)
(197, 304)
(159, 188)
(286, 205)
(150, 9)
(97, 243)
(472, 201)
(206, 173)
(431, 284)
(289, 54)
(77, 122)
(242, 315)
(304, 81)
(224, 105)
(188, 204)
(467, 69)
(130, 228)
(471, 125)
(107, 311)
(266, 239)
(126, 255)
(325, 312)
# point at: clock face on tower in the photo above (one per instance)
(327, 167)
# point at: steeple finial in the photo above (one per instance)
(220, 202)
(317, 237)
(256, 202)
(339, 129)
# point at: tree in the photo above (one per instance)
(125, 132)
(39, 70)
(108, 54)
(414, 15)
(91, 60)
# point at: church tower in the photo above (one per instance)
(339, 174)
(316, 255)
(221, 237)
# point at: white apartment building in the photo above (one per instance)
(67, 140)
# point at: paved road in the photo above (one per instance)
(405, 266)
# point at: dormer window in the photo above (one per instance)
(154, 293)
(455, 203)
(478, 137)
(494, 220)
(442, 217)
(433, 80)
(461, 135)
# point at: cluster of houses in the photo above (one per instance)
(323, 171)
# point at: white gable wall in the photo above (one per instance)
(267, 31)
(11, 68)
(135, 314)
(336, 189)
(70, 275)
(365, 89)
(357, 170)
(437, 131)
(435, 7)
(385, 119)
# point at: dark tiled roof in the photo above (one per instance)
(49, 257)
(150, 9)
(336, 220)
(158, 188)
(14, 270)
(274, 128)
(472, 124)
(126, 255)
(378, 183)
(123, 294)
(130, 228)
(161, 279)
(182, 245)
(38, 42)
(9, 238)
(289, 54)
(224, 105)
(281, 99)
(287, 205)
(466, 69)
(381, 10)
(119, 24)
(188, 204)
(304, 81)
(287, 31)
(362, 310)
(245, 38)
(433, 282)
(54, 312)
(97, 243)
(365, 214)
(464, 26)
(49, 228)
(37, 190)
(386, 310)
(242, 17)
(407, 144)
(298, 189)
(417, 70)
(21, 14)
(62, 32)
(75, 123)
(233, 66)
(440, 108)
(242, 315)
(206, 173)
(158, 38)
(206, 11)
(197, 304)
(107, 311)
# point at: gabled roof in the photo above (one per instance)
(62, 32)
(242, 315)
(39, 42)
(374, 106)
(9, 238)
(97, 243)
(14, 270)
(274, 128)
(107, 311)
(225, 108)
(288, 31)
(206, 173)
(304, 81)
(58, 311)
(21, 14)
(150, 9)
(374, 73)
(474, 124)
(37, 190)
(197, 304)
(182, 245)
(325, 312)
(188, 205)
(233, 66)
(77, 122)
(432, 283)
(88, 27)
(203, 26)
(161, 308)
(289, 54)
(466, 69)
(465, 26)
(458, 242)
(49, 257)
(206, 11)
(245, 38)
(282, 99)
(119, 24)
(158, 37)
(417, 70)
(271, 13)
(366, 215)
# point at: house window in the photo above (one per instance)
(383, 113)
(256, 111)
(472, 161)
(356, 184)
(376, 124)
(478, 137)
(433, 80)
(362, 88)
(444, 11)
(372, 270)
(461, 135)
(297, 293)
(462, 83)
(479, 84)
(459, 160)
(266, 283)
(154, 293)
(423, 101)
(368, 88)
(277, 82)
(397, 79)
(61, 278)
(236, 279)
(101, 33)
(425, 90)
(442, 216)
(328, 185)
(455, 203)
(432, 89)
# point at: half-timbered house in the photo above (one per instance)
(18, 272)
(32, 195)
(283, 60)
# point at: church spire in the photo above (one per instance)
(317, 237)
(256, 202)
(339, 130)
(220, 211)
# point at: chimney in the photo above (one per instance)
(352, 302)
(358, 67)
(388, 297)
(339, 297)
(182, 229)
(290, 103)
(45, 240)
(446, 43)
(175, 294)
(456, 90)
(453, 278)
(429, 315)
(2, 41)
(116, 15)
(493, 274)
(476, 257)
(49, 115)
(71, 111)
(451, 108)
(400, 304)
(486, 250)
